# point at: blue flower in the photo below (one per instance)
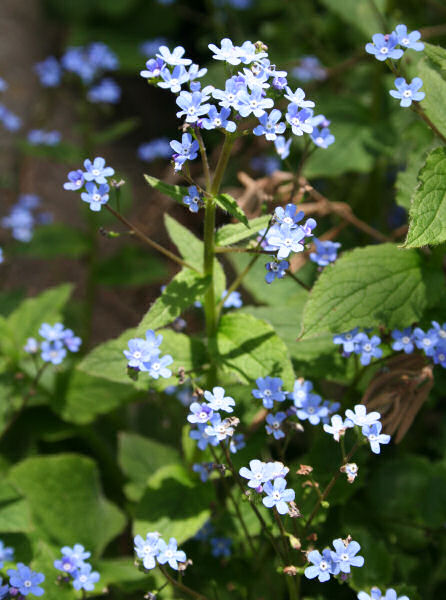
(218, 401)
(85, 578)
(309, 69)
(53, 352)
(157, 148)
(384, 46)
(326, 252)
(248, 52)
(217, 120)
(141, 351)
(202, 438)
(298, 98)
(312, 409)
(280, 83)
(392, 595)
(229, 97)
(347, 339)
(149, 47)
(299, 119)
(282, 146)
(175, 57)
(237, 443)
(66, 564)
(403, 340)
(409, 40)
(45, 138)
(440, 329)
(153, 68)
(288, 215)
(203, 469)
(221, 546)
(375, 437)
(219, 429)
(49, 72)
(425, 341)
(192, 107)
(21, 222)
(168, 553)
(157, 367)
(77, 554)
(75, 180)
(185, 150)
(11, 122)
(1, 255)
(258, 473)
(107, 91)
(195, 72)
(25, 580)
(51, 333)
(234, 300)
(253, 103)
(97, 171)
(345, 555)
(375, 594)
(351, 470)
(101, 57)
(4, 589)
(269, 391)
(285, 240)
(323, 565)
(173, 80)
(147, 549)
(359, 416)
(274, 424)
(95, 196)
(205, 532)
(439, 356)
(71, 341)
(322, 137)
(367, 347)
(407, 92)
(278, 495)
(227, 52)
(337, 427)
(200, 413)
(6, 553)
(276, 269)
(301, 392)
(193, 199)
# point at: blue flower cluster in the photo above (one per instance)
(144, 355)
(211, 429)
(251, 91)
(23, 218)
(355, 342)
(89, 63)
(75, 569)
(432, 342)
(220, 546)
(334, 562)
(326, 252)
(269, 478)
(154, 549)
(157, 148)
(94, 178)
(11, 122)
(57, 340)
(6, 554)
(386, 46)
(375, 594)
(193, 199)
(23, 581)
(39, 137)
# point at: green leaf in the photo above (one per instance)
(130, 266)
(26, 320)
(359, 13)
(66, 500)
(436, 54)
(427, 219)
(368, 287)
(233, 233)
(406, 180)
(140, 457)
(116, 131)
(52, 241)
(434, 86)
(250, 348)
(229, 204)
(15, 517)
(173, 504)
(175, 192)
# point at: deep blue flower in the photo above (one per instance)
(101, 57)
(367, 347)
(312, 409)
(407, 92)
(338, 426)
(203, 469)
(75, 180)
(217, 120)
(97, 171)
(440, 330)
(75, 60)
(229, 97)
(425, 341)
(375, 437)
(1, 260)
(274, 425)
(299, 119)
(4, 589)
(439, 356)
(276, 269)
(25, 580)
(168, 553)
(384, 46)
(185, 150)
(66, 564)
(193, 199)
(347, 339)
(205, 532)
(85, 578)
(266, 165)
(140, 352)
(278, 495)
(301, 392)
(49, 72)
(253, 103)
(323, 565)
(280, 83)
(322, 137)
(234, 300)
(285, 240)
(6, 554)
(359, 416)
(200, 413)
(173, 80)
(153, 68)
(53, 352)
(288, 215)
(221, 546)
(77, 553)
(227, 52)
(403, 340)
(409, 40)
(282, 146)
(202, 438)
(191, 104)
(175, 57)
(326, 252)
(298, 98)
(217, 400)
(106, 91)
(71, 341)
(237, 443)
(95, 196)
(269, 391)
(345, 555)
(147, 549)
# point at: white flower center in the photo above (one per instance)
(95, 172)
(384, 50)
(348, 336)
(156, 366)
(288, 242)
(137, 354)
(323, 565)
(217, 122)
(310, 410)
(441, 357)
(82, 578)
(372, 437)
(191, 110)
(78, 182)
(203, 415)
(27, 583)
(276, 495)
(267, 393)
(405, 339)
(174, 81)
(96, 197)
(442, 333)
(367, 347)
(288, 220)
(405, 41)
(407, 93)
(426, 342)
(156, 72)
(231, 97)
(253, 103)
(320, 140)
(169, 553)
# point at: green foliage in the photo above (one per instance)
(436, 54)
(233, 233)
(363, 14)
(130, 266)
(116, 131)
(52, 241)
(63, 494)
(376, 285)
(175, 192)
(434, 86)
(229, 204)
(428, 210)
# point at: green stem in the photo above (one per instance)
(144, 238)
(181, 586)
(222, 164)
(291, 581)
(204, 158)
(299, 281)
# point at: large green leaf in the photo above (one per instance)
(434, 86)
(236, 232)
(250, 348)
(359, 13)
(176, 192)
(66, 500)
(368, 287)
(139, 457)
(25, 321)
(437, 54)
(427, 224)
(229, 204)
(173, 504)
